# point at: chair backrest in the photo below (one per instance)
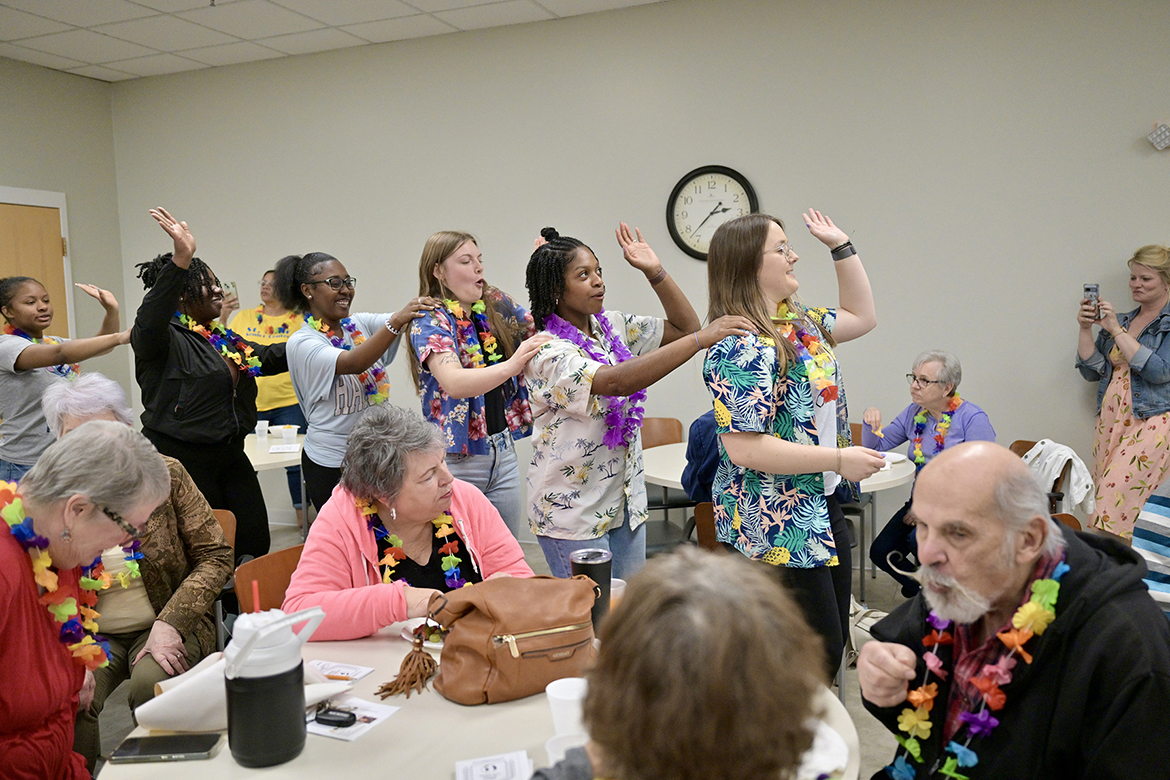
(705, 526)
(273, 571)
(1020, 447)
(1070, 520)
(855, 430)
(661, 430)
(227, 521)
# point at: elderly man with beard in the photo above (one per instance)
(1031, 652)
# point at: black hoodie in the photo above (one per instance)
(1095, 701)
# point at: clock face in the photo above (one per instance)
(702, 201)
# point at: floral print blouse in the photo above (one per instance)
(782, 519)
(577, 486)
(463, 420)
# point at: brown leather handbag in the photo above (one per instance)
(511, 636)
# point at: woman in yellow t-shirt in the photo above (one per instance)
(271, 323)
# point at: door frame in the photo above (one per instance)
(55, 200)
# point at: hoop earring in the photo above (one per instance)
(66, 536)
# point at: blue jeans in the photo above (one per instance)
(12, 472)
(628, 548)
(288, 415)
(496, 474)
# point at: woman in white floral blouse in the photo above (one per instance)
(587, 386)
(780, 413)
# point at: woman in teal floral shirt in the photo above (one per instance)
(781, 416)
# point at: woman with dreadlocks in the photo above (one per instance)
(337, 359)
(587, 387)
(198, 382)
(469, 355)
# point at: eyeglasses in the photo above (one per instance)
(336, 282)
(912, 380)
(121, 523)
(266, 283)
(786, 250)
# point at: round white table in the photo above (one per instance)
(664, 466)
(259, 453)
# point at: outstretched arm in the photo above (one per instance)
(856, 313)
(75, 351)
(460, 382)
(110, 322)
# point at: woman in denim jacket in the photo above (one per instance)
(1130, 361)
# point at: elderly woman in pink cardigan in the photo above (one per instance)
(397, 529)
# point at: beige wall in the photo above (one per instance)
(56, 134)
(987, 157)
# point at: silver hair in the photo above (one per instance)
(949, 370)
(379, 449)
(86, 396)
(109, 463)
(1019, 497)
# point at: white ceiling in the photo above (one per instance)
(115, 40)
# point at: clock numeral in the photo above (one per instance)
(736, 200)
(688, 200)
(698, 189)
(711, 184)
(682, 214)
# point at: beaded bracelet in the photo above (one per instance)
(393, 329)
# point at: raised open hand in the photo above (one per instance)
(179, 233)
(823, 229)
(104, 297)
(636, 251)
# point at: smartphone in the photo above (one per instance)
(1093, 293)
(167, 747)
(231, 287)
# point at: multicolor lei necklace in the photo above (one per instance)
(227, 343)
(624, 417)
(444, 527)
(817, 358)
(78, 634)
(283, 329)
(940, 430)
(67, 370)
(1031, 619)
(373, 379)
(475, 334)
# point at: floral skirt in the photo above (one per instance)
(1130, 457)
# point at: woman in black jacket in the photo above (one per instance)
(198, 382)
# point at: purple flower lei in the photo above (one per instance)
(624, 418)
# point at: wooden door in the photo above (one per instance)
(31, 245)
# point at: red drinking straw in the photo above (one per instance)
(255, 595)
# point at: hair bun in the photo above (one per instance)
(549, 234)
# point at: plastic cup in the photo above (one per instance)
(557, 746)
(289, 434)
(261, 429)
(564, 699)
(617, 589)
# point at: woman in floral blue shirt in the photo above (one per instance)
(469, 356)
(780, 413)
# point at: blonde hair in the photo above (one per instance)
(438, 248)
(1154, 257)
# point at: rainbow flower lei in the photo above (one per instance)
(66, 370)
(475, 334)
(78, 620)
(444, 527)
(940, 430)
(373, 379)
(817, 358)
(1031, 619)
(227, 343)
(624, 417)
(283, 329)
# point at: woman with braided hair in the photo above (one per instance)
(469, 356)
(337, 361)
(198, 382)
(587, 386)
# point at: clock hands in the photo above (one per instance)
(714, 211)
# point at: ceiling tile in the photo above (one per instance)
(87, 46)
(446, 5)
(14, 52)
(82, 13)
(250, 19)
(339, 12)
(174, 6)
(577, 7)
(168, 33)
(401, 29)
(17, 24)
(232, 54)
(156, 65)
(495, 15)
(312, 41)
(102, 74)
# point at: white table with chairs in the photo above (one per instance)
(264, 460)
(664, 466)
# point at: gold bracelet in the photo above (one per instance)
(838, 469)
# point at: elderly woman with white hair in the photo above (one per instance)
(936, 419)
(397, 529)
(156, 614)
(93, 490)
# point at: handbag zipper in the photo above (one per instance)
(510, 639)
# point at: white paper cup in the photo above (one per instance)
(617, 589)
(289, 433)
(557, 746)
(564, 699)
(261, 429)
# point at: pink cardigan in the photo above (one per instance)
(338, 570)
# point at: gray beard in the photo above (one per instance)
(958, 603)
